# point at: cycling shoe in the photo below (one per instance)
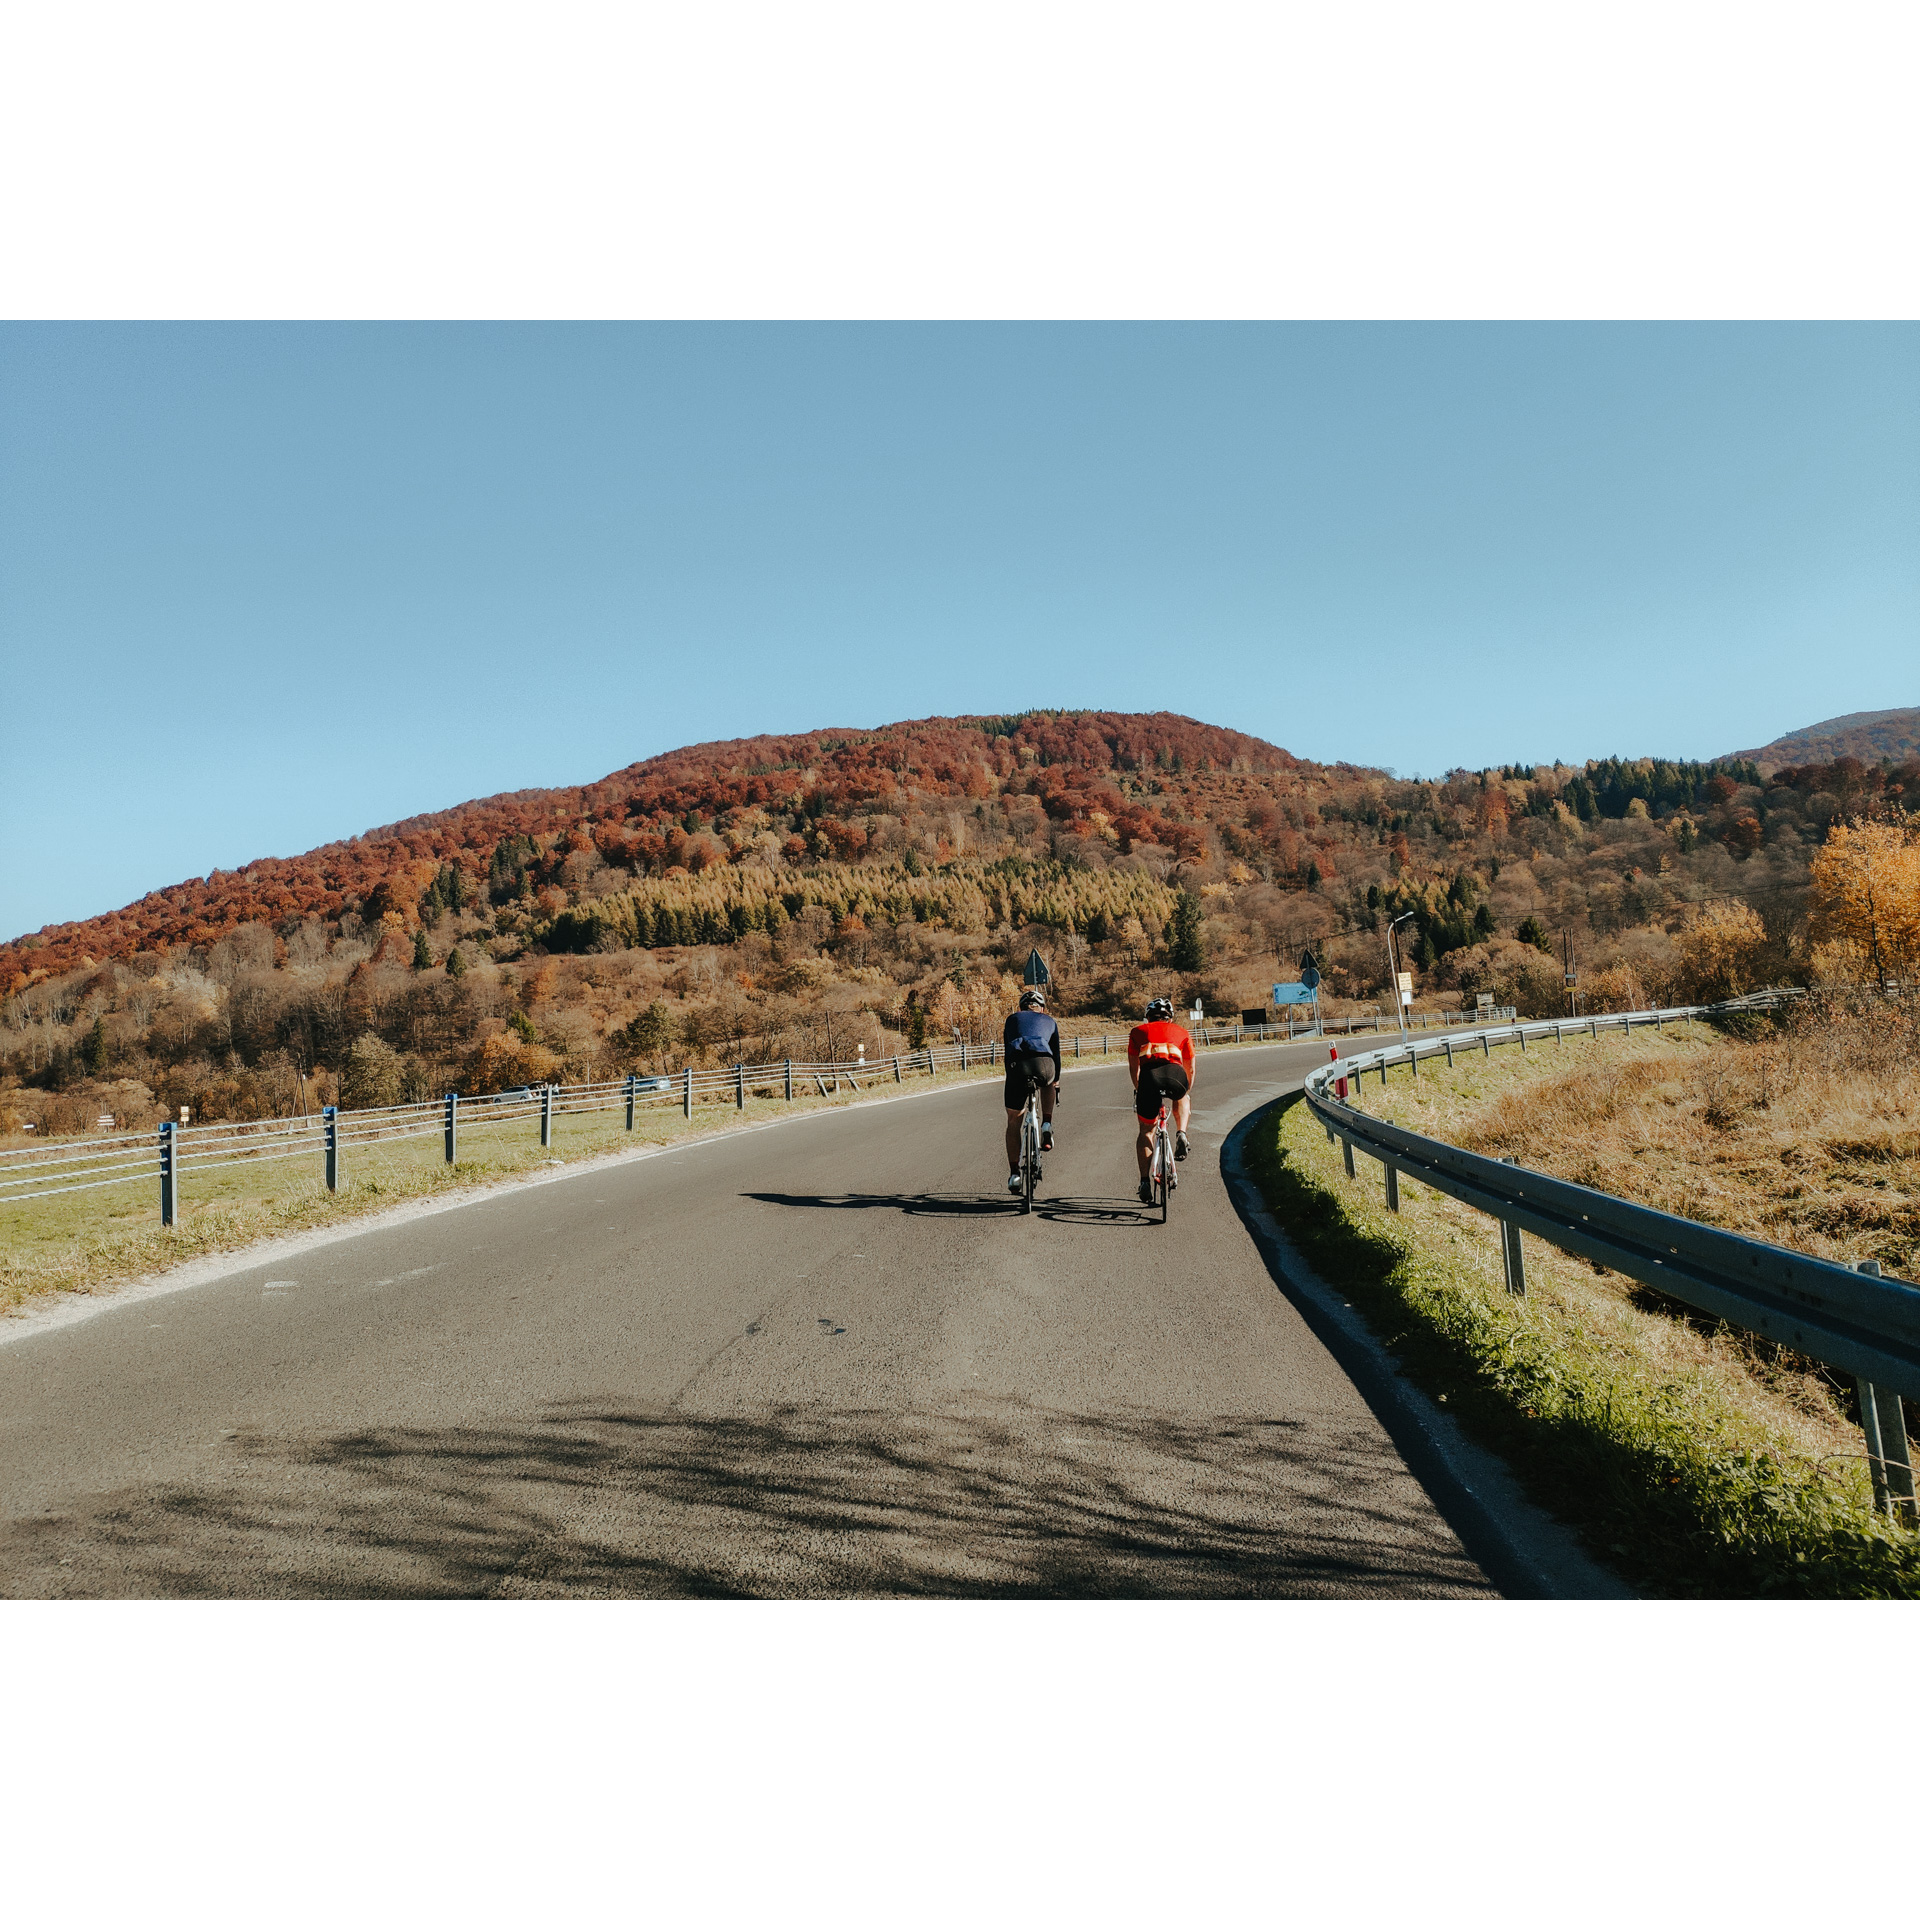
(1179, 1146)
(1046, 1136)
(1013, 1182)
(1146, 1193)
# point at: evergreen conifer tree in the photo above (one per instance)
(1185, 954)
(422, 953)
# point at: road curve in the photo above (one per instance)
(822, 1356)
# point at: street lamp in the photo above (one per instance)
(1393, 968)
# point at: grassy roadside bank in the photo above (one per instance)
(1686, 1461)
(91, 1242)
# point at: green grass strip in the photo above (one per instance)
(1682, 1491)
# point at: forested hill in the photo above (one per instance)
(832, 796)
(1892, 734)
(1076, 821)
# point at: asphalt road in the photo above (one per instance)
(821, 1356)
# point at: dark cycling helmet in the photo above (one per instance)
(1160, 1008)
(1033, 1001)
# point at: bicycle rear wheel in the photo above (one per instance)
(1029, 1156)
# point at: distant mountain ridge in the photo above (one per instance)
(1893, 733)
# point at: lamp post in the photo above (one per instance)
(1393, 967)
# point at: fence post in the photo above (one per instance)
(963, 1056)
(789, 1067)
(546, 1115)
(686, 1099)
(740, 1086)
(331, 1117)
(169, 1169)
(896, 1070)
(1884, 1421)
(1346, 1152)
(453, 1107)
(1393, 1188)
(629, 1103)
(930, 1066)
(1076, 1046)
(1511, 1257)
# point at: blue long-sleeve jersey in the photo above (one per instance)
(1031, 1032)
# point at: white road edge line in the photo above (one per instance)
(72, 1309)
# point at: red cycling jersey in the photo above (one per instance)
(1160, 1040)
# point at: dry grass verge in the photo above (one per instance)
(1693, 1458)
(1807, 1135)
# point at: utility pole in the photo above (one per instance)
(1393, 968)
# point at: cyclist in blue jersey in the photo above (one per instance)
(1033, 1059)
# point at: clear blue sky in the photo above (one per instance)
(266, 586)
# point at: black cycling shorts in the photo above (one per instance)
(1025, 1071)
(1158, 1077)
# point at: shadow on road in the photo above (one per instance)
(603, 1498)
(965, 1205)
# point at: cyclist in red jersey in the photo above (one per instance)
(1160, 1058)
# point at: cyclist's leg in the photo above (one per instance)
(1015, 1102)
(1146, 1107)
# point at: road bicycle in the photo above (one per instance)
(1160, 1174)
(1030, 1148)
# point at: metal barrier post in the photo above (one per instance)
(1393, 1188)
(930, 1070)
(1511, 1257)
(169, 1171)
(1346, 1151)
(963, 1056)
(1103, 1043)
(630, 1103)
(740, 1086)
(686, 1099)
(789, 1067)
(453, 1108)
(1076, 1046)
(1883, 1418)
(546, 1116)
(331, 1117)
(896, 1069)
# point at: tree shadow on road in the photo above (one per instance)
(602, 1498)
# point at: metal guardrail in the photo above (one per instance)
(1849, 1318)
